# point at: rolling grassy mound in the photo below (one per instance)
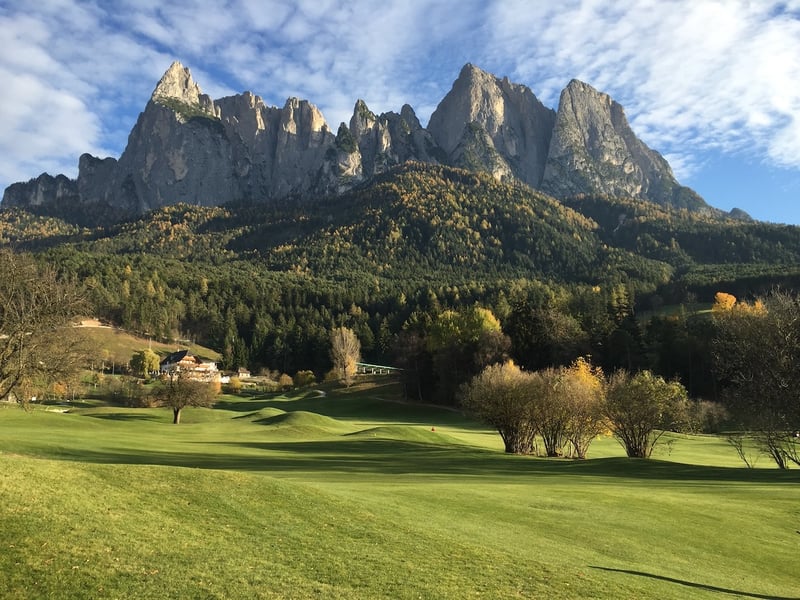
(262, 415)
(349, 503)
(304, 423)
(405, 433)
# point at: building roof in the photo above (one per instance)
(176, 357)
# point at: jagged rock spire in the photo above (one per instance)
(487, 123)
(177, 83)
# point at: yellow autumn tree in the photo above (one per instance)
(345, 353)
(584, 389)
(462, 343)
(723, 302)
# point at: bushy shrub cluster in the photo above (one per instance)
(567, 407)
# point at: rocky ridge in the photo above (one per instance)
(186, 147)
(593, 149)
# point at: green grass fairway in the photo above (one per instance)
(352, 494)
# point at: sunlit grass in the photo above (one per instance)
(355, 494)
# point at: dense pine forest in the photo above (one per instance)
(593, 276)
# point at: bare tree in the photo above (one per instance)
(37, 341)
(179, 391)
(757, 358)
(739, 442)
(345, 353)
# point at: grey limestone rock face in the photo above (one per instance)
(186, 147)
(176, 152)
(95, 176)
(489, 122)
(303, 139)
(389, 139)
(349, 167)
(41, 190)
(170, 159)
(594, 150)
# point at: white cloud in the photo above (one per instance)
(50, 131)
(263, 16)
(693, 75)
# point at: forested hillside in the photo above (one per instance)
(265, 285)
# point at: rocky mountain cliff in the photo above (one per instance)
(594, 150)
(488, 124)
(186, 147)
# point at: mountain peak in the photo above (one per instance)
(577, 83)
(580, 89)
(474, 75)
(594, 150)
(177, 83)
(485, 123)
(188, 147)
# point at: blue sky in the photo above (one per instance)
(712, 85)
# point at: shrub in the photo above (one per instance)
(304, 378)
(496, 396)
(234, 385)
(584, 389)
(706, 416)
(285, 382)
(641, 407)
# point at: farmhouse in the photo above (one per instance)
(195, 367)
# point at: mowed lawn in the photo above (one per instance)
(353, 494)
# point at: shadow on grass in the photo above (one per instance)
(403, 457)
(370, 456)
(359, 406)
(70, 404)
(246, 405)
(126, 417)
(699, 586)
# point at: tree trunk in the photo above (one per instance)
(176, 416)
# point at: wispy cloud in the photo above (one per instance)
(694, 75)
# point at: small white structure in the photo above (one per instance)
(186, 362)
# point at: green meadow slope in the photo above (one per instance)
(110, 344)
(353, 494)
